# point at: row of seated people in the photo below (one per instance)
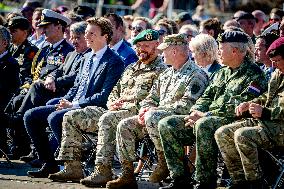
(146, 100)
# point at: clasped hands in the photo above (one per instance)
(254, 109)
(63, 104)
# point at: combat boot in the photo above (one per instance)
(72, 172)
(127, 179)
(161, 172)
(101, 175)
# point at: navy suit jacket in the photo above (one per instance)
(127, 54)
(102, 80)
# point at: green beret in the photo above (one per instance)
(233, 36)
(146, 35)
(174, 39)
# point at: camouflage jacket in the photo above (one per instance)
(273, 99)
(135, 83)
(177, 90)
(231, 87)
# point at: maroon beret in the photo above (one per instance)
(275, 45)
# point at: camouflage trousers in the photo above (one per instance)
(175, 136)
(106, 146)
(130, 131)
(74, 122)
(90, 119)
(239, 143)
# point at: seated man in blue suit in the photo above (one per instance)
(118, 43)
(97, 76)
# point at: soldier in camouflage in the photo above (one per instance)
(239, 142)
(230, 86)
(123, 102)
(174, 92)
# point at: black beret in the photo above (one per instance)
(19, 22)
(233, 36)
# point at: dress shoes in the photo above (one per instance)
(44, 171)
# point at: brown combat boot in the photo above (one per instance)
(72, 172)
(127, 179)
(161, 172)
(101, 175)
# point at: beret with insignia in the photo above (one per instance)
(174, 39)
(146, 35)
(19, 22)
(233, 36)
(276, 47)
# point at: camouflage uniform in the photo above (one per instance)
(228, 89)
(173, 93)
(238, 142)
(91, 119)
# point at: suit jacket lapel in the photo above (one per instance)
(100, 66)
(68, 64)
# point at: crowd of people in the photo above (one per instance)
(215, 86)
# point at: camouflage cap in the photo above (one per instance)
(146, 35)
(233, 36)
(174, 39)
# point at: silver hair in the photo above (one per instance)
(5, 35)
(78, 27)
(192, 28)
(204, 43)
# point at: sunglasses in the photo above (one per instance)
(136, 28)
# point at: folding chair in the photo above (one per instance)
(89, 148)
(146, 148)
(274, 169)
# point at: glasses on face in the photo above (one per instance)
(136, 28)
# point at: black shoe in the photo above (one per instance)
(36, 163)
(29, 157)
(206, 186)
(44, 171)
(179, 183)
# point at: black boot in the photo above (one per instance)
(179, 183)
(44, 171)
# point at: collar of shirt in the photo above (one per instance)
(56, 44)
(99, 53)
(206, 69)
(3, 54)
(117, 45)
